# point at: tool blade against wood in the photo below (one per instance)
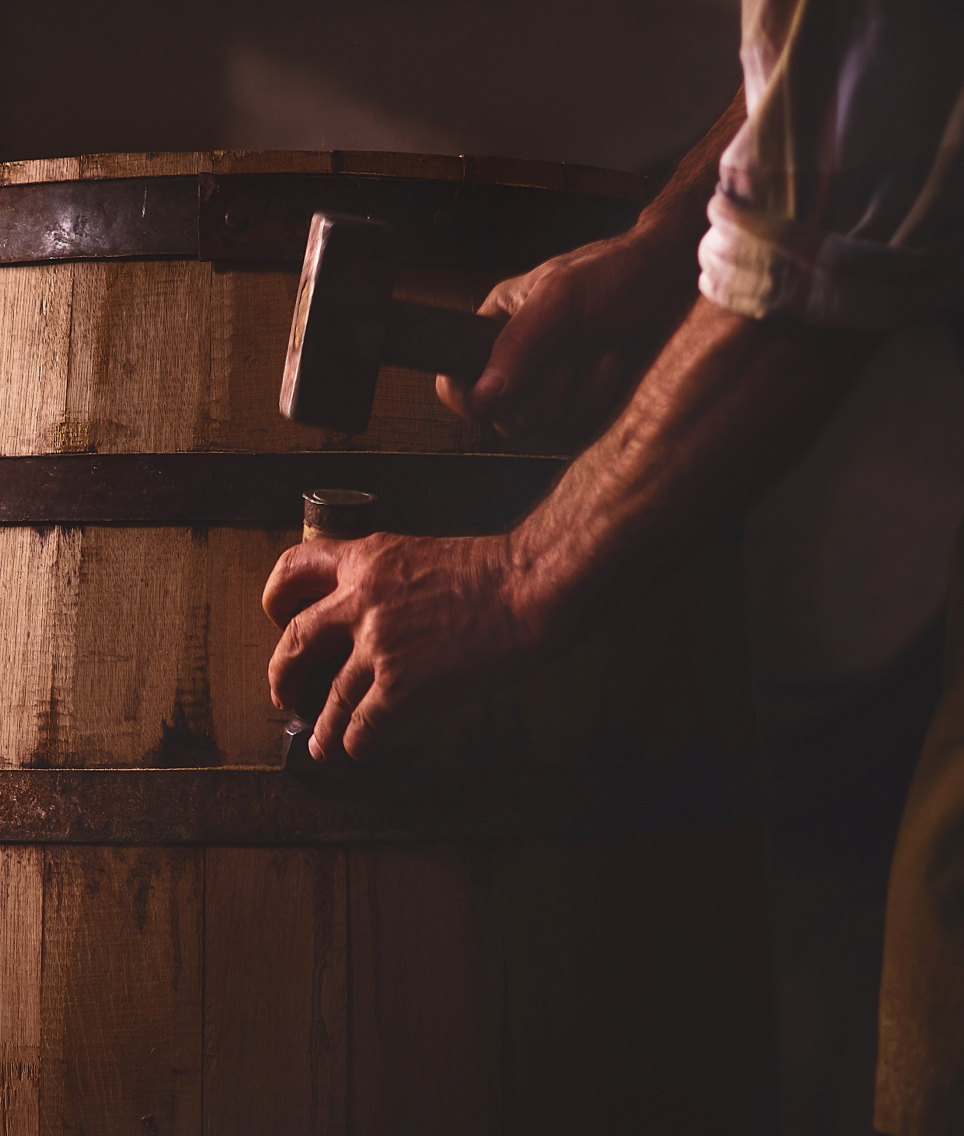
(346, 326)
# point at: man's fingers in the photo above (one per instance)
(302, 575)
(506, 297)
(369, 723)
(537, 332)
(454, 395)
(348, 688)
(501, 303)
(311, 638)
(544, 406)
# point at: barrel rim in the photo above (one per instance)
(568, 177)
(264, 217)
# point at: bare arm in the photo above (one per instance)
(728, 403)
(565, 358)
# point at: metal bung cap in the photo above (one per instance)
(341, 512)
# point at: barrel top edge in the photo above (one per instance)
(561, 176)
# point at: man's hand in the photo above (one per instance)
(425, 621)
(581, 325)
(578, 328)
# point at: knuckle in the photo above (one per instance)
(288, 560)
(365, 563)
(297, 637)
(360, 736)
(505, 297)
(338, 699)
(553, 285)
(362, 725)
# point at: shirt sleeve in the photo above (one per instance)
(841, 199)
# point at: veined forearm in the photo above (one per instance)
(728, 403)
(549, 372)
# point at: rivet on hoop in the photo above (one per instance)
(235, 220)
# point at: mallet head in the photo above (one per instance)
(340, 323)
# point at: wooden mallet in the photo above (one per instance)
(346, 325)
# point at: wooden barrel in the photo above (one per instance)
(547, 917)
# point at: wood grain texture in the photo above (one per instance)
(425, 1050)
(588, 180)
(180, 679)
(140, 356)
(35, 315)
(275, 988)
(449, 989)
(39, 170)
(121, 1006)
(138, 694)
(160, 357)
(240, 642)
(39, 586)
(637, 985)
(156, 164)
(21, 926)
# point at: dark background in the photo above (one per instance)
(620, 83)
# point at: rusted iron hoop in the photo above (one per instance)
(418, 493)
(264, 218)
(258, 806)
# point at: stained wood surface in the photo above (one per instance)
(426, 991)
(553, 987)
(276, 992)
(35, 325)
(121, 991)
(180, 678)
(21, 927)
(168, 356)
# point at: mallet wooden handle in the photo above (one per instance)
(439, 340)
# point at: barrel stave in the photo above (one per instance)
(21, 951)
(276, 977)
(518, 987)
(426, 990)
(35, 311)
(120, 990)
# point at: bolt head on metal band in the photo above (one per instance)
(338, 512)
